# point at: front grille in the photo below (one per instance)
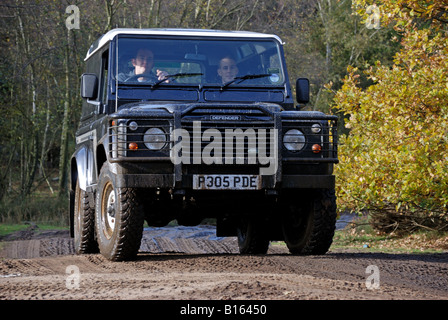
(216, 139)
(236, 143)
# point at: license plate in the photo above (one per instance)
(226, 182)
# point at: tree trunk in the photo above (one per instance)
(30, 157)
(63, 158)
(327, 24)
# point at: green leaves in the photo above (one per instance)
(397, 152)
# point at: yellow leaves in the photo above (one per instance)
(403, 12)
(397, 148)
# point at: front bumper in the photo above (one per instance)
(267, 182)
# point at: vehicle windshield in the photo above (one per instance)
(207, 62)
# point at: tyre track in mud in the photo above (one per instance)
(190, 263)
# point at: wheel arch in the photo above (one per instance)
(72, 193)
(81, 166)
(101, 158)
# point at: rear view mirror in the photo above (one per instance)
(195, 56)
(303, 90)
(89, 86)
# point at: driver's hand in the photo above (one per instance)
(162, 75)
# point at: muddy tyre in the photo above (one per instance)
(84, 223)
(119, 219)
(251, 237)
(309, 229)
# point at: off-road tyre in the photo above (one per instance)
(119, 218)
(251, 236)
(84, 222)
(309, 228)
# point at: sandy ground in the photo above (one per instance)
(189, 263)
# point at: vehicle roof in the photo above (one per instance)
(105, 38)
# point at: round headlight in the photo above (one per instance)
(294, 140)
(154, 139)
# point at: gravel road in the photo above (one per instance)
(188, 263)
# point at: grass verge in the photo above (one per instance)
(42, 209)
(359, 235)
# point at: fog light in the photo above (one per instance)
(316, 148)
(316, 128)
(133, 146)
(133, 126)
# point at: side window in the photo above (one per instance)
(104, 73)
(274, 68)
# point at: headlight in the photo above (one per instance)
(154, 139)
(294, 140)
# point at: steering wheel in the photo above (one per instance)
(136, 76)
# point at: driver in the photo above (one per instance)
(143, 64)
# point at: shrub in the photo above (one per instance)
(394, 161)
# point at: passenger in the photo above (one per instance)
(227, 69)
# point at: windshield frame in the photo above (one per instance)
(276, 49)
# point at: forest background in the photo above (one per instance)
(380, 65)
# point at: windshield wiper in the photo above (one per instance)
(176, 75)
(246, 77)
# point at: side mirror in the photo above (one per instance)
(89, 86)
(303, 90)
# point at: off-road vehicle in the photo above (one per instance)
(181, 124)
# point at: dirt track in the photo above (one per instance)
(191, 263)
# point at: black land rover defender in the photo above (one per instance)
(192, 124)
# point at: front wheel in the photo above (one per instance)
(308, 226)
(119, 219)
(252, 237)
(84, 223)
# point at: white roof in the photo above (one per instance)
(104, 39)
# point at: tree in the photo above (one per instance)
(394, 160)
(63, 157)
(342, 39)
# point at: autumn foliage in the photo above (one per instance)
(394, 161)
